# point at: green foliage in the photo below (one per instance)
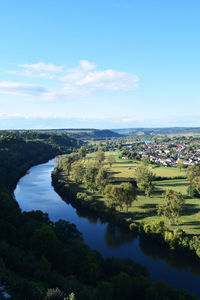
(172, 206)
(54, 294)
(144, 178)
(192, 192)
(110, 159)
(82, 152)
(104, 291)
(71, 297)
(102, 179)
(193, 176)
(145, 160)
(195, 245)
(90, 178)
(44, 240)
(120, 195)
(84, 197)
(77, 172)
(122, 286)
(99, 155)
(180, 164)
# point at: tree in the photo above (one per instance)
(112, 195)
(196, 182)
(129, 194)
(180, 164)
(77, 172)
(145, 160)
(90, 178)
(144, 178)
(192, 172)
(193, 175)
(172, 206)
(110, 159)
(102, 179)
(120, 195)
(99, 155)
(82, 152)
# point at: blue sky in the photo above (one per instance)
(103, 64)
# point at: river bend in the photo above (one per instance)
(34, 191)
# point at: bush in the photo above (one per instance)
(192, 192)
(54, 294)
(133, 227)
(84, 197)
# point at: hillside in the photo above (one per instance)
(80, 133)
(153, 131)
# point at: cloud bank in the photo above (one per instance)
(60, 81)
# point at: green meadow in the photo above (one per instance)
(145, 208)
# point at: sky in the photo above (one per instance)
(99, 63)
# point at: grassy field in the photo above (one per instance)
(145, 209)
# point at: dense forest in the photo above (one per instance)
(82, 133)
(37, 254)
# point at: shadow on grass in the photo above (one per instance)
(148, 206)
(141, 215)
(190, 209)
(192, 223)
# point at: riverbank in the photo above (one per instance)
(175, 240)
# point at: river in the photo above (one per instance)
(34, 191)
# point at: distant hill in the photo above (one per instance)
(80, 133)
(91, 133)
(152, 131)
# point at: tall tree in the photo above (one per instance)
(120, 195)
(172, 206)
(82, 152)
(180, 164)
(77, 172)
(110, 159)
(144, 178)
(145, 160)
(102, 179)
(192, 172)
(129, 194)
(99, 155)
(90, 178)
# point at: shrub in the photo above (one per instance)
(133, 227)
(192, 192)
(54, 294)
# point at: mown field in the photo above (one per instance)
(145, 208)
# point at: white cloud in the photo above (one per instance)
(83, 80)
(23, 89)
(43, 67)
(86, 65)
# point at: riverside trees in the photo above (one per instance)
(120, 195)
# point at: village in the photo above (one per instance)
(165, 153)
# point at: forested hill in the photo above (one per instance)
(92, 134)
(153, 131)
(19, 151)
(83, 134)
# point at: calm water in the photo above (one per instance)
(35, 192)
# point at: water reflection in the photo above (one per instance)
(115, 236)
(179, 261)
(92, 218)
